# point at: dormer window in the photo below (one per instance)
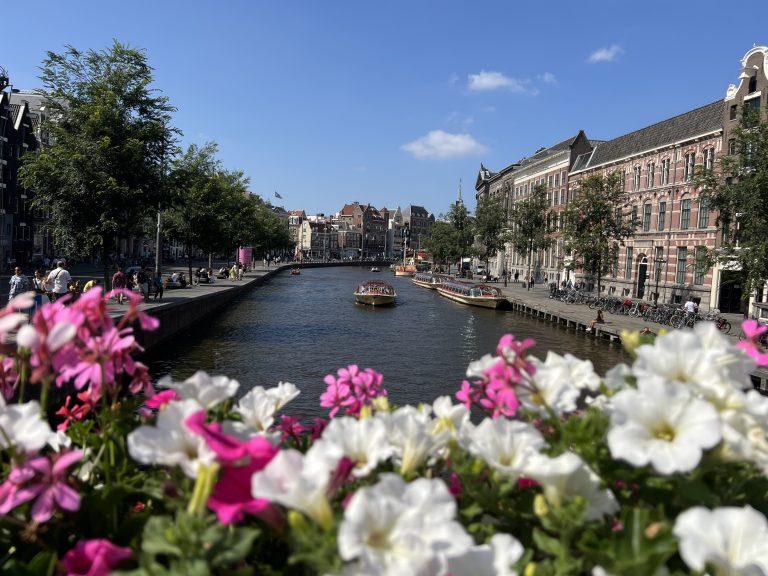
(752, 84)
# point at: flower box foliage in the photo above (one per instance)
(532, 467)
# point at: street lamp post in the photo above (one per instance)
(658, 262)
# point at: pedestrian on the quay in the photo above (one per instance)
(119, 282)
(530, 282)
(517, 275)
(60, 278)
(18, 284)
(504, 276)
(158, 282)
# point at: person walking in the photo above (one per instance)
(158, 281)
(118, 283)
(60, 278)
(18, 284)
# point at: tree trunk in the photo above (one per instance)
(106, 269)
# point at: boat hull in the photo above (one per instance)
(374, 299)
(483, 302)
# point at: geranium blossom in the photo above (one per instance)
(351, 390)
(753, 330)
(662, 424)
(399, 529)
(94, 558)
(730, 540)
(45, 480)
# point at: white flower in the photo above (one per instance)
(363, 441)
(661, 423)
(559, 382)
(477, 368)
(169, 442)
(505, 445)
(259, 406)
(22, 427)
(298, 481)
(702, 358)
(493, 559)
(401, 529)
(410, 436)
(207, 390)
(745, 428)
(58, 440)
(731, 540)
(567, 476)
(449, 417)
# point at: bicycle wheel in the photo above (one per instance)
(676, 322)
(724, 327)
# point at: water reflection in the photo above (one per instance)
(300, 328)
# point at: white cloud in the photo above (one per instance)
(486, 81)
(548, 78)
(606, 54)
(456, 118)
(439, 144)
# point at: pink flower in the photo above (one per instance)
(352, 390)
(94, 558)
(290, 428)
(754, 331)
(231, 498)
(162, 399)
(77, 412)
(44, 479)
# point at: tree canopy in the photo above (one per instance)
(594, 224)
(737, 188)
(99, 177)
(528, 224)
(490, 228)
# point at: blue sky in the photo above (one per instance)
(394, 102)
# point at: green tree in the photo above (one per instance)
(99, 177)
(490, 228)
(458, 216)
(737, 188)
(528, 225)
(594, 224)
(443, 244)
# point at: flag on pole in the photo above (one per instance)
(278, 195)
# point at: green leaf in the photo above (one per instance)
(547, 543)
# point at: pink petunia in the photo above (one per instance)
(754, 332)
(161, 399)
(94, 558)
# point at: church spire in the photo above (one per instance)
(459, 201)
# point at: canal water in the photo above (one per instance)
(300, 328)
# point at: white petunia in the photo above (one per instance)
(702, 359)
(22, 427)
(298, 481)
(477, 368)
(505, 445)
(410, 436)
(362, 441)
(259, 406)
(731, 540)
(745, 428)
(493, 559)
(566, 476)
(559, 382)
(207, 390)
(169, 442)
(399, 529)
(662, 424)
(449, 418)
(58, 440)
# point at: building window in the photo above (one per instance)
(649, 175)
(636, 178)
(733, 112)
(700, 265)
(682, 256)
(557, 180)
(704, 212)
(709, 159)
(665, 171)
(628, 264)
(690, 162)
(685, 214)
(550, 180)
(623, 180)
(752, 84)
(562, 196)
(646, 217)
(662, 215)
(731, 146)
(617, 217)
(633, 217)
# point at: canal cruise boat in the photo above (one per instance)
(472, 294)
(429, 280)
(404, 269)
(375, 293)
